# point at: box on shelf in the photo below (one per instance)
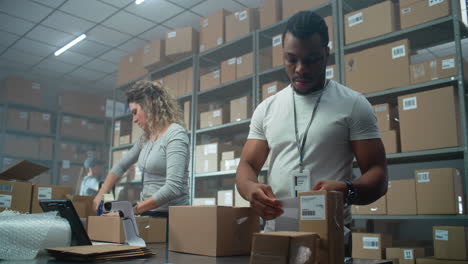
(270, 13)
(39, 122)
(378, 207)
(137, 132)
(131, 67)
(393, 57)
(241, 23)
(14, 90)
(321, 212)
(405, 255)
(291, 7)
(210, 80)
(284, 247)
(387, 116)
(21, 146)
(203, 201)
(240, 108)
(225, 198)
(228, 70)
(154, 54)
(16, 195)
(40, 192)
(244, 65)
(181, 43)
(126, 126)
(371, 22)
(187, 112)
(434, 69)
(277, 51)
(451, 242)
(440, 131)
(212, 30)
(72, 127)
(401, 197)
(272, 88)
(417, 12)
(17, 119)
(370, 246)
(214, 230)
(229, 164)
(215, 117)
(69, 175)
(207, 156)
(439, 191)
(171, 83)
(46, 147)
(265, 59)
(391, 141)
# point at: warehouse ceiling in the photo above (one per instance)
(32, 30)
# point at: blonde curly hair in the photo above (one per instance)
(160, 108)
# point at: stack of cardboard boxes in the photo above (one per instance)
(14, 90)
(216, 157)
(82, 128)
(387, 116)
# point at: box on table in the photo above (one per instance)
(371, 22)
(405, 255)
(401, 197)
(272, 88)
(439, 191)
(16, 195)
(40, 192)
(212, 30)
(451, 242)
(181, 42)
(321, 212)
(17, 119)
(414, 12)
(214, 230)
(241, 23)
(440, 131)
(392, 57)
(378, 207)
(370, 246)
(152, 229)
(14, 90)
(285, 247)
(154, 54)
(270, 13)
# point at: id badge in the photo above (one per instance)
(301, 182)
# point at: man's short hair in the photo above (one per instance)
(304, 24)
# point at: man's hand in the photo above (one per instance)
(331, 186)
(264, 202)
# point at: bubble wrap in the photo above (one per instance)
(22, 236)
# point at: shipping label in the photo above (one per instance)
(448, 64)
(435, 2)
(423, 177)
(408, 254)
(355, 19)
(243, 15)
(329, 73)
(172, 34)
(410, 103)
(44, 193)
(5, 201)
(398, 51)
(370, 242)
(441, 235)
(312, 207)
(278, 40)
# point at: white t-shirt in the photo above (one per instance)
(343, 115)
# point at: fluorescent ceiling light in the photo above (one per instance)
(139, 1)
(69, 45)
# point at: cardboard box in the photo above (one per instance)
(210, 80)
(423, 72)
(239, 201)
(322, 212)
(40, 192)
(187, 111)
(387, 115)
(370, 246)
(216, 117)
(171, 84)
(21, 146)
(207, 157)
(277, 51)
(405, 255)
(229, 164)
(14, 90)
(228, 70)
(16, 195)
(154, 54)
(447, 67)
(244, 65)
(272, 88)
(241, 108)
(417, 12)
(181, 42)
(137, 133)
(270, 13)
(126, 126)
(213, 230)
(439, 191)
(68, 151)
(241, 23)
(83, 205)
(391, 141)
(378, 207)
(225, 198)
(69, 175)
(284, 247)
(433, 260)
(291, 7)
(203, 201)
(106, 229)
(117, 132)
(46, 148)
(440, 131)
(212, 30)
(331, 73)
(265, 59)
(227, 155)
(401, 197)
(131, 67)
(152, 229)
(451, 242)
(329, 21)
(72, 127)
(370, 22)
(17, 119)
(392, 57)
(39, 122)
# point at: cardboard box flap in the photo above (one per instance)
(24, 170)
(96, 249)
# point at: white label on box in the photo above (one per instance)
(5, 201)
(6, 188)
(410, 103)
(202, 47)
(329, 73)
(272, 89)
(277, 40)
(239, 60)
(355, 19)
(46, 117)
(130, 59)
(66, 178)
(65, 164)
(36, 85)
(232, 61)
(216, 74)
(219, 41)
(210, 149)
(424, 177)
(146, 49)
(243, 15)
(406, 10)
(205, 22)
(228, 198)
(312, 207)
(217, 113)
(448, 64)
(380, 108)
(23, 115)
(44, 193)
(408, 254)
(117, 126)
(172, 34)
(398, 52)
(370, 242)
(441, 235)
(435, 2)
(67, 119)
(205, 165)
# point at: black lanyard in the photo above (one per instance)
(301, 143)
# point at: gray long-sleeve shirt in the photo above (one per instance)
(164, 164)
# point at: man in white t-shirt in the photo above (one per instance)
(338, 123)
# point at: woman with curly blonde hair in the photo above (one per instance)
(162, 153)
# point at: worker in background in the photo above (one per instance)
(162, 153)
(88, 181)
(312, 129)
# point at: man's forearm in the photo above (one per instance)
(371, 186)
(245, 176)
